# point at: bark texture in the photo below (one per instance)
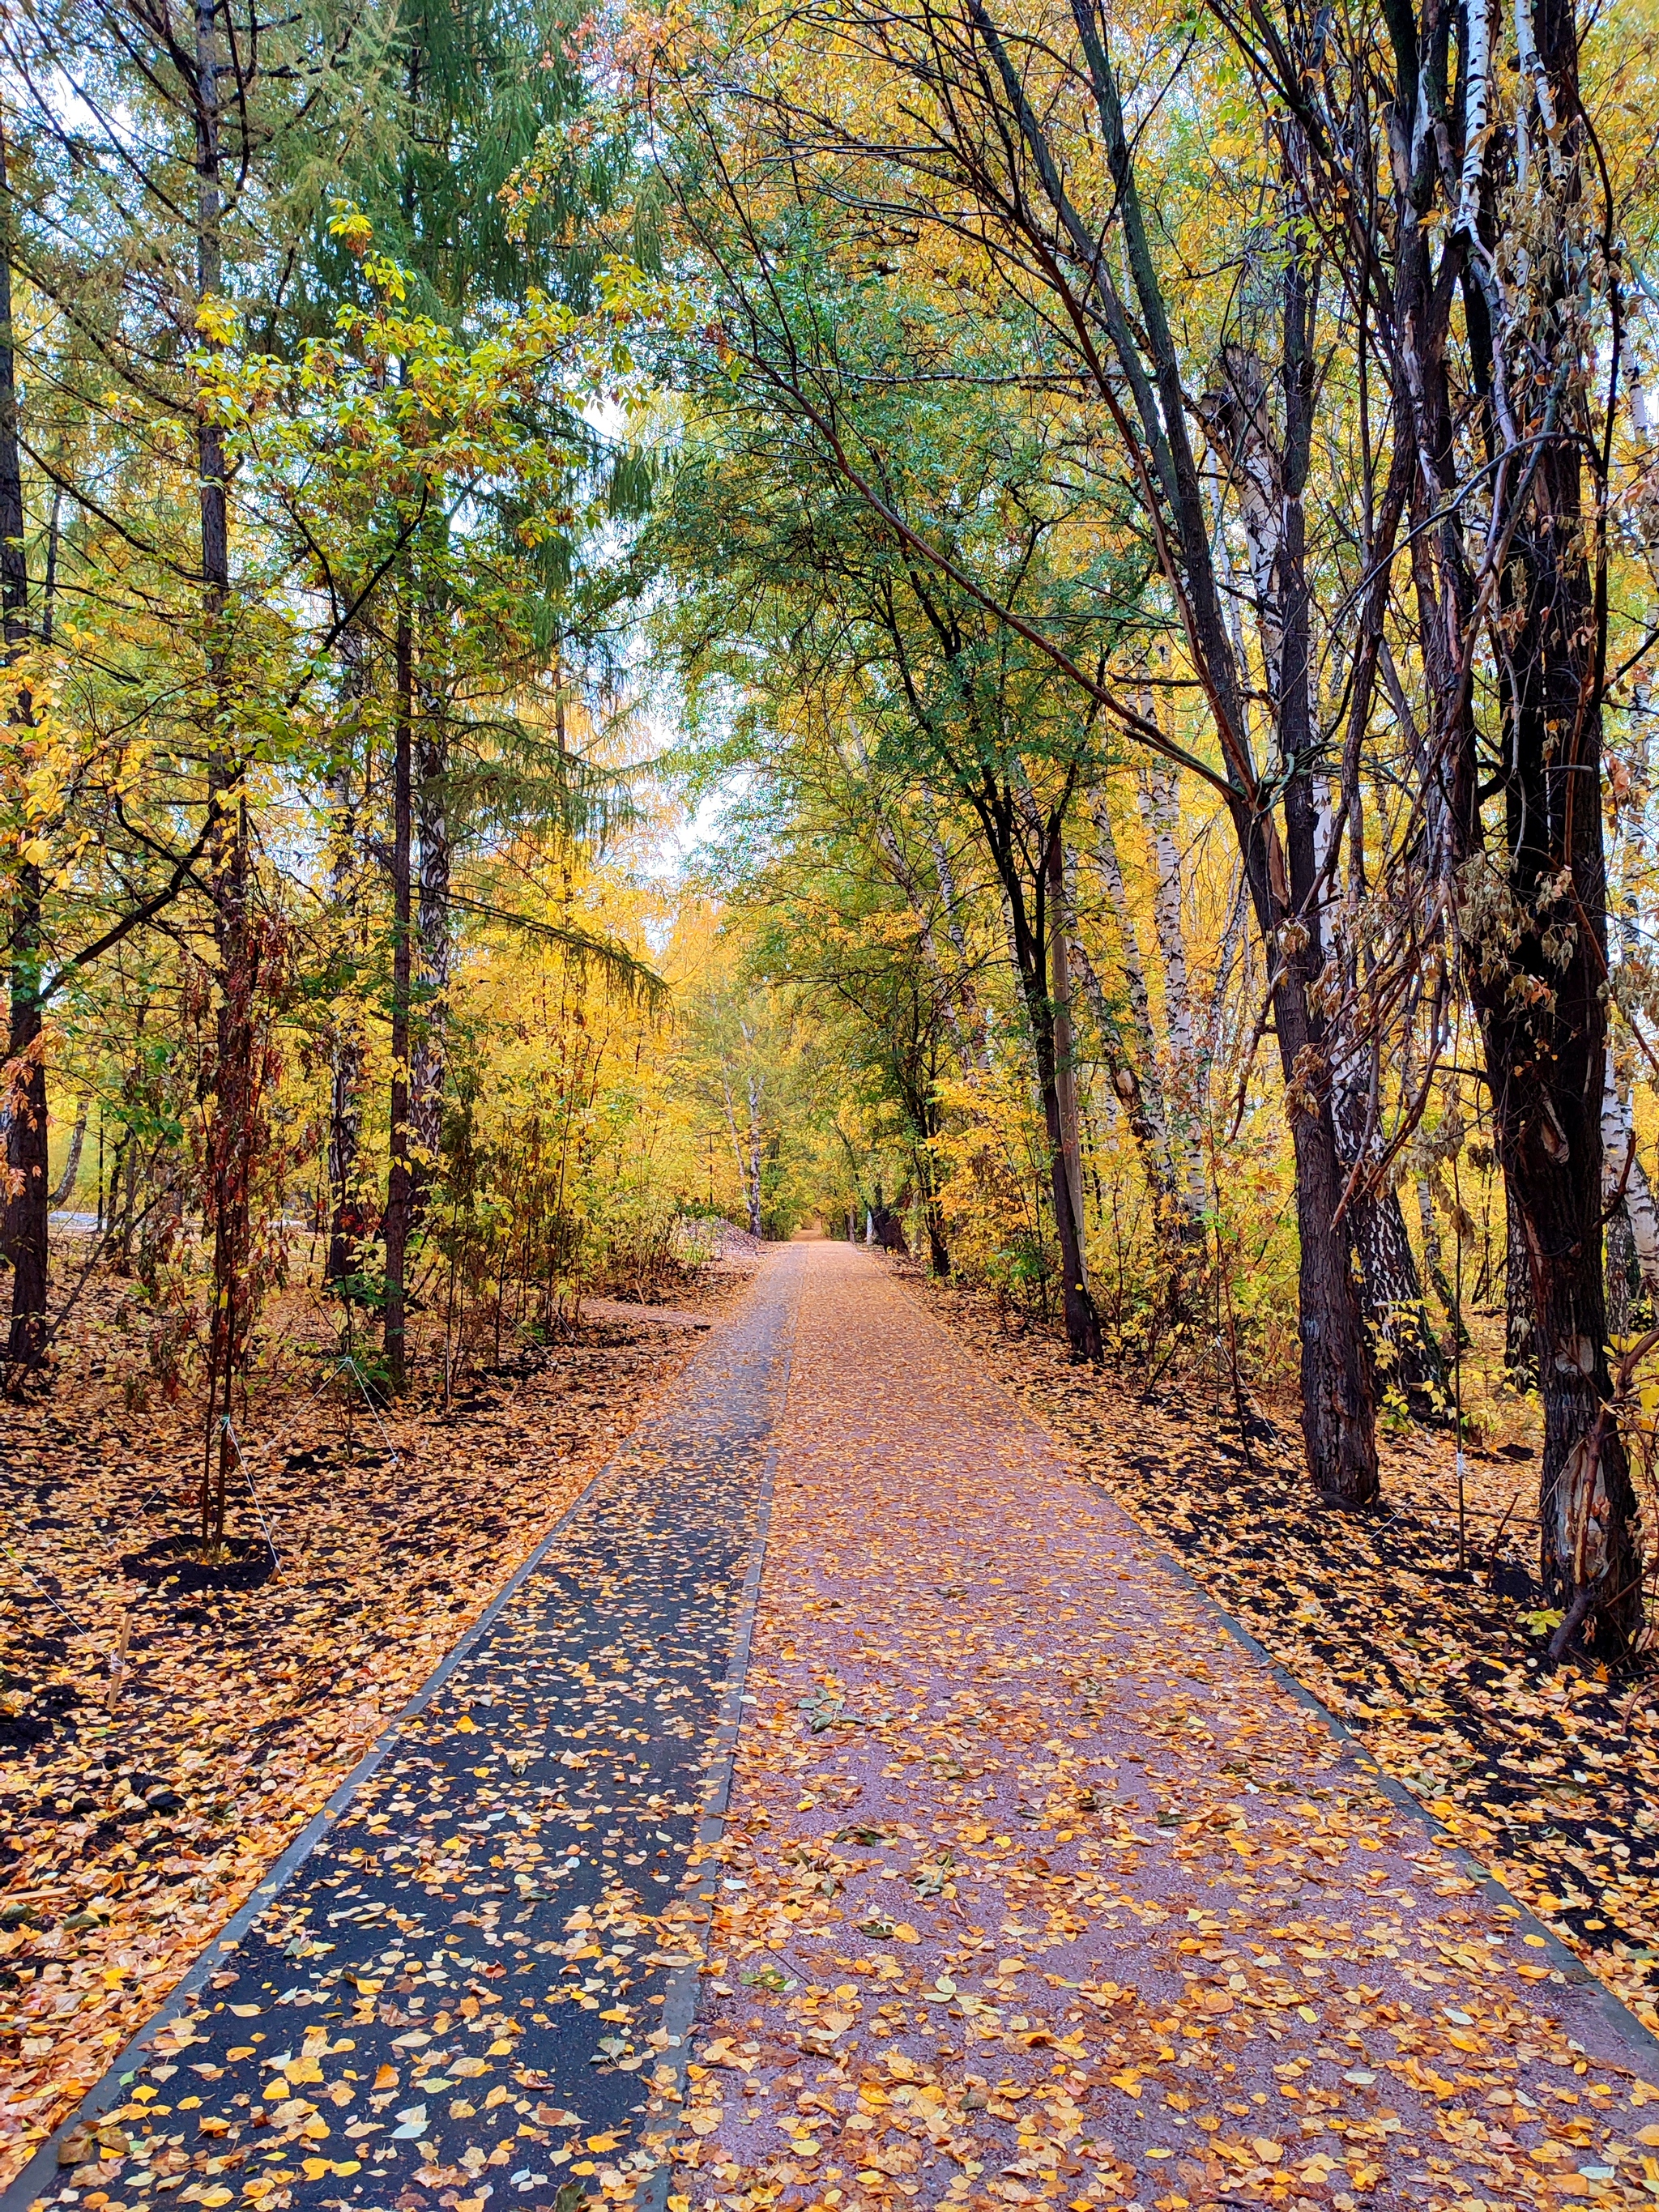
(432, 823)
(24, 1203)
(399, 1219)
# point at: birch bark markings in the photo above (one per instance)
(1159, 790)
(1179, 1176)
(1065, 1047)
(1624, 1180)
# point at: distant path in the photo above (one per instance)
(1041, 1886)
(413, 2020)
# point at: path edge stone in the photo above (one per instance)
(1640, 2042)
(34, 2186)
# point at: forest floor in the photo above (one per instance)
(139, 1807)
(1549, 1775)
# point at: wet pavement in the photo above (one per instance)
(458, 1998)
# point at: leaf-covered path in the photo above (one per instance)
(456, 1995)
(1037, 1886)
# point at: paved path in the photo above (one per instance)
(456, 1997)
(1037, 1887)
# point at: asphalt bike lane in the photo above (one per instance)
(463, 1985)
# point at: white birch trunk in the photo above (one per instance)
(754, 1158)
(1134, 967)
(1159, 795)
(72, 1166)
(1618, 1147)
(1071, 1134)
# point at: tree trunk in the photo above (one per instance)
(1621, 1270)
(977, 1056)
(1407, 1351)
(1339, 1402)
(1065, 1059)
(938, 1250)
(1339, 1406)
(230, 1138)
(432, 821)
(1520, 1323)
(347, 1226)
(1031, 964)
(1148, 1077)
(1125, 1077)
(1536, 969)
(1269, 471)
(348, 1223)
(1434, 1267)
(24, 1202)
(1159, 792)
(400, 1179)
(71, 1175)
(754, 1158)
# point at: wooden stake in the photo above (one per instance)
(117, 1665)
